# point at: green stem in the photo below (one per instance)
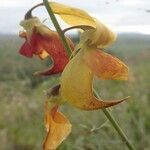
(105, 111)
(57, 26)
(116, 126)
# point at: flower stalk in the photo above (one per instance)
(57, 26)
(68, 50)
(116, 126)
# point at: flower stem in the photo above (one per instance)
(116, 126)
(57, 26)
(68, 50)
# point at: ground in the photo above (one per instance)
(22, 99)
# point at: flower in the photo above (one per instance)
(58, 127)
(81, 70)
(89, 61)
(43, 42)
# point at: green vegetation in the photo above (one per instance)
(22, 100)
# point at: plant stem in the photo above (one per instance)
(116, 126)
(57, 26)
(105, 111)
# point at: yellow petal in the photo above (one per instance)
(101, 36)
(72, 16)
(105, 66)
(78, 91)
(58, 128)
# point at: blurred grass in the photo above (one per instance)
(22, 100)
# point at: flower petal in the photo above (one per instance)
(105, 66)
(44, 42)
(58, 128)
(54, 47)
(72, 16)
(26, 50)
(79, 90)
(100, 37)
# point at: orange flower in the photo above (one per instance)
(58, 127)
(88, 60)
(76, 86)
(43, 42)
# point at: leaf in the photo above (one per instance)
(78, 91)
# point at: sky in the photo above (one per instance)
(119, 15)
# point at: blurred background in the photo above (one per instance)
(22, 93)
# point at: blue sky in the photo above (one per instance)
(120, 15)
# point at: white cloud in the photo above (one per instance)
(122, 14)
(144, 29)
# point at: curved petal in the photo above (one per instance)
(26, 50)
(101, 36)
(58, 128)
(72, 16)
(54, 47)
(105, 66)
(44, 42)
(79, 90)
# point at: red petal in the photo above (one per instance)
(53, 70)
(52, 44)
(26, 50)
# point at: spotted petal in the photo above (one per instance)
(105, 66)
(44, 42)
